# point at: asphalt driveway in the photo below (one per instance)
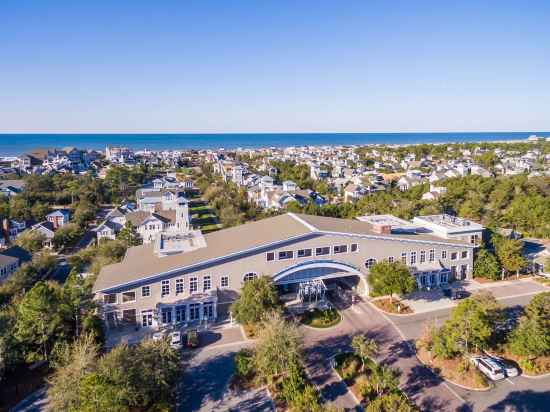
(519, 394)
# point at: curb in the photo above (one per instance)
(468, 388)
(391, 313)
(543, 376)
(341, 380)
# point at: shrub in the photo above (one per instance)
(244, 363)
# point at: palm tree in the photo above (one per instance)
(384, 379)
(364, 348)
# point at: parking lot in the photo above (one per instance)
(511, 394)
(428, 301)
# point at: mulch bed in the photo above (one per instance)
(453, 370)
(387, 305)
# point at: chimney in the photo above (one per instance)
(381, 229)
(6, 230)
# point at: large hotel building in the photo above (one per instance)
(191, 278)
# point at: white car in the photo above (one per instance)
(509, 368)
(175, 340)
(489, 367)
(158, 336)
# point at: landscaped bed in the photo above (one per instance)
(456, 370)
(508, 278)
(370, 382)
(318, 318)
(392, 306)
(531, 367)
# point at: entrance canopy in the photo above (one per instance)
(314, 269)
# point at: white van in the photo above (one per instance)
(489, 368)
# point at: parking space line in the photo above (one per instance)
(509, 381)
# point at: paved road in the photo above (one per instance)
(517, 394)
(418, 382)
(205, 384)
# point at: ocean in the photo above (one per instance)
(15, 144)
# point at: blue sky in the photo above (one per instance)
(274, 66)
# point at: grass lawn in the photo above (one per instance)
(395, 306)
(456, 370)
(321, 318)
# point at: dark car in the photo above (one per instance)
(455, 294)
(459, 294)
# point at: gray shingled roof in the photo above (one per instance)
(141, 262)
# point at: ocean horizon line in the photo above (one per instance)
(12, 144)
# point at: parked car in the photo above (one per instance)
(192, 338)
(158, 336)
(175, 340)
(455, 294)
(489, 367)
(509, 367)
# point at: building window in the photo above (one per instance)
(340, 249)
(270, 256)
(145, 291)
(249, 276)
(128, 297)
(109, 298)
(165, 288)
(206, 283)
(179, 286)
(369, 263)
(322, 251)
(224, 282)
(454, 255)
(422, 256)
(391, 259)
(431, 257)
(180, 313)
(354, 247)
(286, 254)
(413, 258)
(464, 254)
(146, 318)
(404, 258)
(193, 285)
(304, 253)
(443, 254)
(167, 315)
(453, 270)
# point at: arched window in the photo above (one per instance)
(370, 263)
(249, 276)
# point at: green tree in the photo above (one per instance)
(66, 235)
(258, 298)
(30, 240)
(279, 346)
(40, 320)
(129, 235)
(39, 211)
(389, 278)
(509, 253)
(73, 363)
(486, 265)
(364, 348)
(390, 402)
(529, 338)
(471, 324)
(384, 379)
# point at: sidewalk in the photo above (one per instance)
(429, 301)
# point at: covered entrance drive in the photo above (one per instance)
(289, 279)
